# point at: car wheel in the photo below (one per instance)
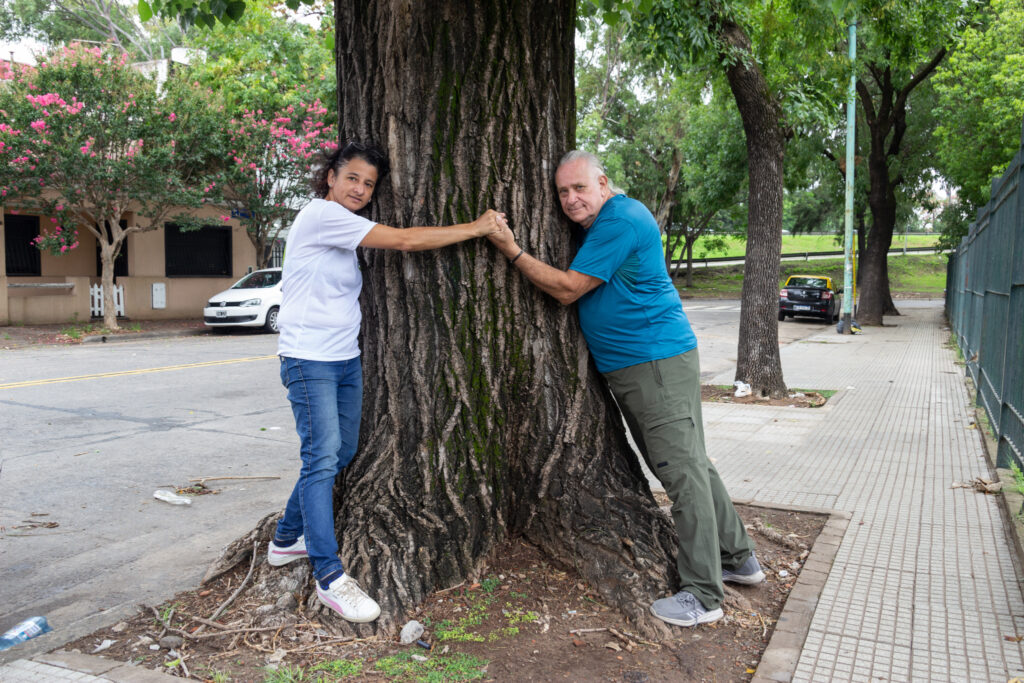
(782, 316)
(271, 324)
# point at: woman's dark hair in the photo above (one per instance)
(338, 157)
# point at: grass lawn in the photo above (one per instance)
(911, 274)
(806, 243)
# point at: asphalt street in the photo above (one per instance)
(91, 431)
(716, 324)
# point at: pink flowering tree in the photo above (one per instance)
(265, 177)
(88, 140)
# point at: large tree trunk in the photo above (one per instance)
(758, 362)
(483, 417)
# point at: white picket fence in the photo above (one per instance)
(96, 300)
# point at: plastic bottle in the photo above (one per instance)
(30, 628)
(171, 497)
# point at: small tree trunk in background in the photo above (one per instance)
(110, 238)
(874, 291)
(483, 417)
(258, 240)
(758, 361)
(689, 261)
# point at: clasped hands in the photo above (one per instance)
(494, 226)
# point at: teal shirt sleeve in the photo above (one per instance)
(605, 248)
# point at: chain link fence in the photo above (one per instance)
(985, 308)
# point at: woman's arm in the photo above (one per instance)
(422, 238)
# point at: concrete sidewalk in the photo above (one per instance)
(923, 584)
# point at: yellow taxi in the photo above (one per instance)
(810, 295)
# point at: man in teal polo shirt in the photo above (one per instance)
(644, 346)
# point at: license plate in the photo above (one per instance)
(222, 314)
(795, 308)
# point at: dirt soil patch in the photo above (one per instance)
(526, 620)
(795, 398)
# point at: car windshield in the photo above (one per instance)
(259, 280)
(819, 282)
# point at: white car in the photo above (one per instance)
(253, 301)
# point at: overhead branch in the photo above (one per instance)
(866, 102)
(924, 72)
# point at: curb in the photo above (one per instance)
(779, 660)
(130, 336)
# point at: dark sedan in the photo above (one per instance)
(809, 295)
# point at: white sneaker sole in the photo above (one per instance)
(706, 618)
(282, 556)
(748, 580)
(337, 609)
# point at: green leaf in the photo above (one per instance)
(292, 4)
(235, 10)
(145, 11)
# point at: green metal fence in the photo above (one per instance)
(985, 308)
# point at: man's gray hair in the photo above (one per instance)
(594, 163)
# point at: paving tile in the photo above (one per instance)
(923, 573)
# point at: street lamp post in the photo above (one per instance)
(851, 119)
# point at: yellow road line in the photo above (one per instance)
(121, 373)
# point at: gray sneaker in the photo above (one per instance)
(749, 573)
(684, 609)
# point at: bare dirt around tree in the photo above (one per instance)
(524, 619)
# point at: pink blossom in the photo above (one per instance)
(172, 116)
(224, 218)
(38, 126)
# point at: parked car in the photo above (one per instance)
(253, 301)
(810, 295)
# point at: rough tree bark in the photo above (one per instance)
(885, 112)
(758, 361)
(483, 418)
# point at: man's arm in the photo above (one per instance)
(564, 285)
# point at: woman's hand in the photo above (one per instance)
(489, 223)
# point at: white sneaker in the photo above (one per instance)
(345, 597)
(277, 556)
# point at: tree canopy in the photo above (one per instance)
(61, 22)
(674, 142)
(266, 60)
(981, 100)
(86, 139)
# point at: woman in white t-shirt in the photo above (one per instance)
(318, 346)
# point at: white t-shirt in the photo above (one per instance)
(319, 317)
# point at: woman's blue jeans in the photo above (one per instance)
(327, 400)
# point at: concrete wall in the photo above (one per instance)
(185, 296)
(30, 301)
